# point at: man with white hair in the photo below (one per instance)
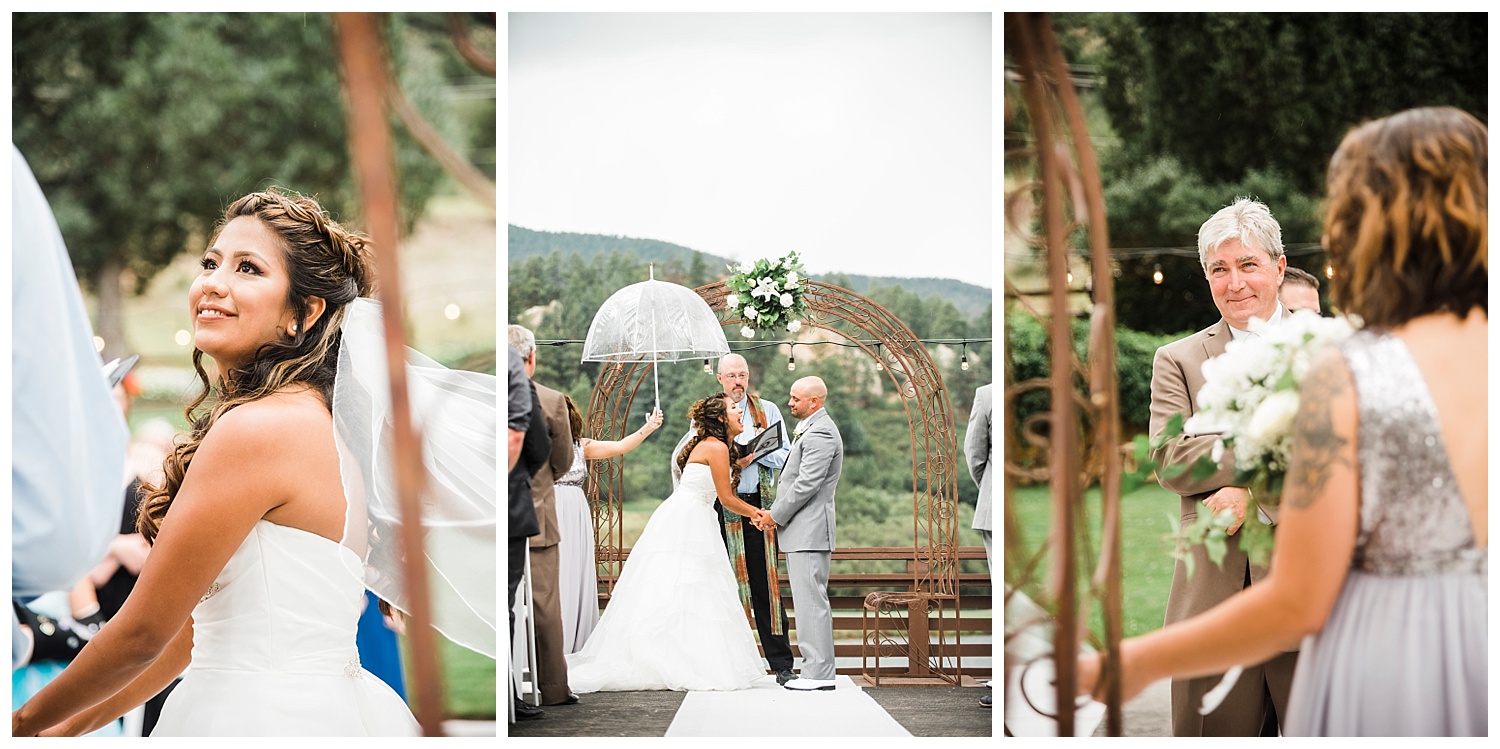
(1241, 253)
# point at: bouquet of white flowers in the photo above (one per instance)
(1250, 398)
(768, 294)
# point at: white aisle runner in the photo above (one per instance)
(768, 709)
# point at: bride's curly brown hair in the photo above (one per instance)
(323, 259)
(711, 418)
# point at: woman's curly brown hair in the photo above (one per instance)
(1407, 230)
(323, 259)
(711, 419)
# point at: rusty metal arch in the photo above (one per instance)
(1070, 196)
(936, 461)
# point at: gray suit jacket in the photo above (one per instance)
(979, 450)
(804, 494)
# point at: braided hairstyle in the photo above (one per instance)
(323, 259)
(711, 415)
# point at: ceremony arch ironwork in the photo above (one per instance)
(936, 464)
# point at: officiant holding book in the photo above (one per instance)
(763, 450)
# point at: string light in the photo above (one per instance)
(1328, 270)
(1156, 275)
(791, 359)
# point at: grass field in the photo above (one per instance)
(1147, 519)
(468, 680)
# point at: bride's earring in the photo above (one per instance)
(294, 329)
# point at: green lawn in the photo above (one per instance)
(468, 680)
(1145, 535)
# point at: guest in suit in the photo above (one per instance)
(804, 515)
(551, 668)
(1241, 253)
(530, 447)
(978, 451)
(1299, 290)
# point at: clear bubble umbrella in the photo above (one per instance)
(654, 321)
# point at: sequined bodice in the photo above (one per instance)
(1413, 520)
(579, 471)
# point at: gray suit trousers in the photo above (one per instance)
(808, 573)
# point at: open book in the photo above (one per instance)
(769, 440)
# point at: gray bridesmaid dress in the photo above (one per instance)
(1404, 651)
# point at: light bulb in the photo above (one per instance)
(964, 363)
(791, 364)
(1328, 271)
(707, 368)
(1156, 275)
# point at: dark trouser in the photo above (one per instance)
(778, 648)
(516, 571)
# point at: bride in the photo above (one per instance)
(254, 579)
(674, 620)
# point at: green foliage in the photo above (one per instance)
(1203, 108)
(1231, 92)
(142, 127)
(1028, 349)
(523, 243)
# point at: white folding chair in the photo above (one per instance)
(522, 669)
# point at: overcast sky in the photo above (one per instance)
(863, 141)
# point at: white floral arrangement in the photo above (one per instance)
(768, 294)
(1250, 397)
(1251, 392)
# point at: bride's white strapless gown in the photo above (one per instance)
(674, 620)
(274, 650)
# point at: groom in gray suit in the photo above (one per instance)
(803, 511)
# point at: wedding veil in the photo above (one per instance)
(455, 418)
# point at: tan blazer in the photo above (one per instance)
(1176, 378)
(555, 413)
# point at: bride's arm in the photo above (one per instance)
(246, 465)
(1315, 541)
(173, 661)
(718, 465)
(599, 449)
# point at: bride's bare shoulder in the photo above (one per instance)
(708, 449)
(289, 421)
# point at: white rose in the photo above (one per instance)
(1273, 417)
(794, 326)
(733, 300)
(786, 300)
(750, 313)
(791, 281)
(747, 331)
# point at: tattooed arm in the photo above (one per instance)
(1314, 544)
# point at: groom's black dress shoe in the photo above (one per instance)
(525, 711)
(784, 675)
